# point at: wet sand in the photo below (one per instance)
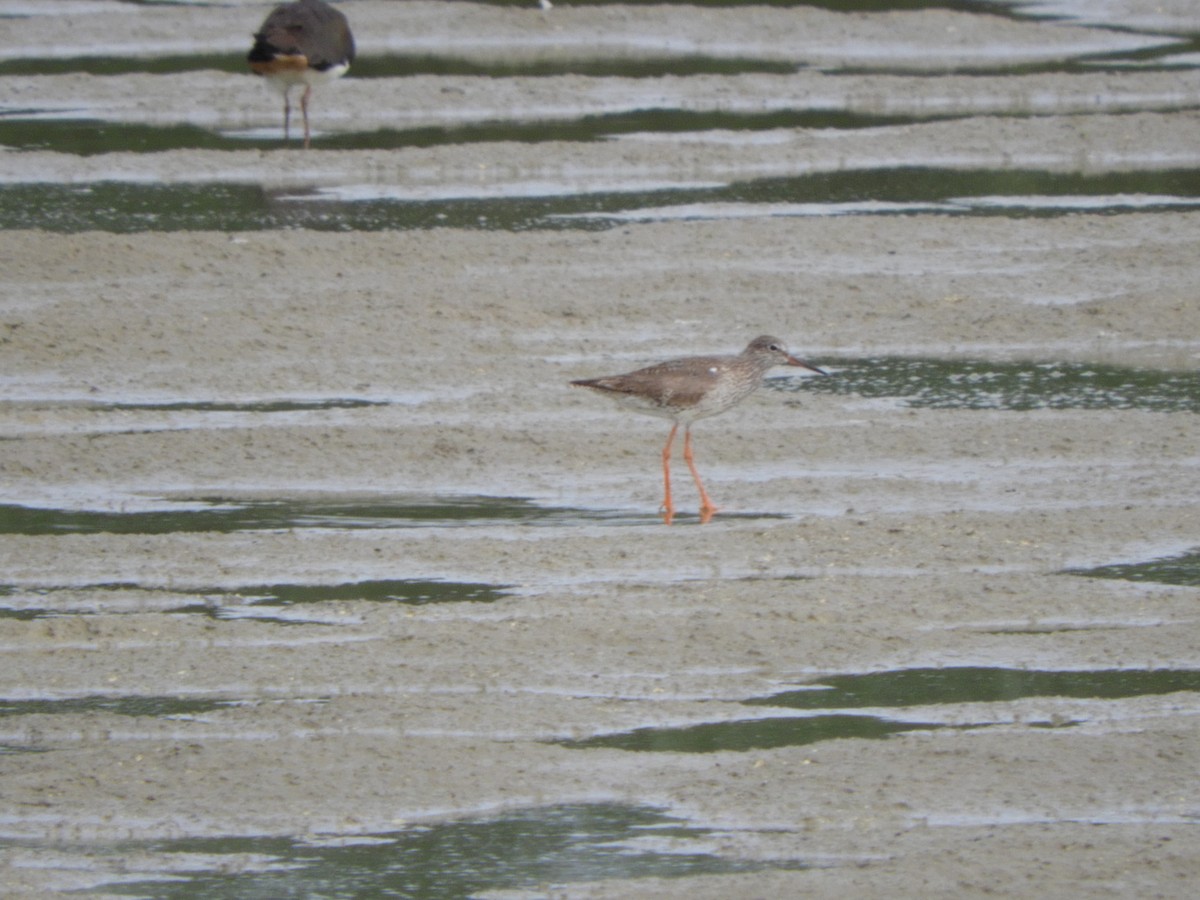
(909, 538)
(855, 535)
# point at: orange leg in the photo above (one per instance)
(707, 507)
(668, 508)
(304, 109)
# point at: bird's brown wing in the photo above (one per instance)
(318, 33)
(680, 382)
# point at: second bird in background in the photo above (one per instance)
(303, 43)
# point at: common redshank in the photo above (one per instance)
(692, 388)
(306, 42)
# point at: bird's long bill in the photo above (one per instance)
(793, 361)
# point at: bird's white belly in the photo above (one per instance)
(289, 78)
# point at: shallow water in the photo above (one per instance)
(129, 208)
(969, 684)
(914, 690)
(1015, 386)
(1183, 569)
(159, 707)
(225, 515)
(453, 859)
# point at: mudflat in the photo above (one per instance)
(182, 374)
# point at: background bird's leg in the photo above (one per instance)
(287, 113)
(707, 507)
(668, 507)
(304, 109)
